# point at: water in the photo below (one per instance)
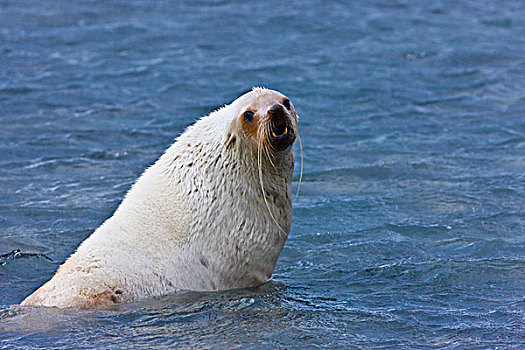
(409, 230)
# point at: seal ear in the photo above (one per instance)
(230, 140)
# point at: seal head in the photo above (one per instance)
(268, 120)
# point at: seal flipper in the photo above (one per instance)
(50, 296)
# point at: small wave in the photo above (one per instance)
(368, 172)
(131, 72)
(18, 254)
(17, 90)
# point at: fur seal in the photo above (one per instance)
(212, 213)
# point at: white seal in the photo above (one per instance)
(213, 213)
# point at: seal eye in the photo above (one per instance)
(248, 115)
(286, 103)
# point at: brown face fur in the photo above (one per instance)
(261, 102)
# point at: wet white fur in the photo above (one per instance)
(195, 220)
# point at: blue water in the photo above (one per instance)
(409, 229)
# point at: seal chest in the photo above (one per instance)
(213, 213)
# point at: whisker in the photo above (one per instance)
(301, 172)
(267, 146)
(268, 155)
(259, 161)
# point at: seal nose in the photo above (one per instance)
(277, 111)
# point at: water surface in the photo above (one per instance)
(409, 230)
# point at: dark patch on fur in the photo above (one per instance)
(163, 279)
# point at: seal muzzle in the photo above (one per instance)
(282, 134)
